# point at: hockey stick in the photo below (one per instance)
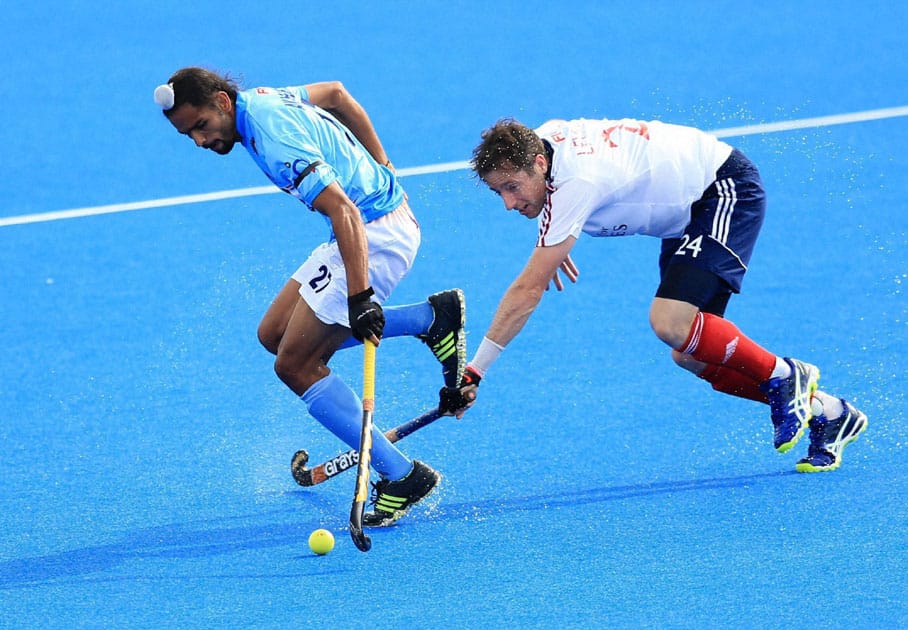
(361, 495)
(339, 463)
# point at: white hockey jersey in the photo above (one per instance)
(624, 177)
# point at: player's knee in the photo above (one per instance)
(664, 327)
(268, 343)
(287, 370)
(658, 325)
(296, 374)
(671, 326)
(269, 337)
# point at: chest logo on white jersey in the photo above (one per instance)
(642, 130)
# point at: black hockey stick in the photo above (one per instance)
(339, 463)
(361, 494)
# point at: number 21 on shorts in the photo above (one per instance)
(321, 280)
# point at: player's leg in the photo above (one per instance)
(413, 320)
(274, 322)
(301, 363)
(314, 330)
(735, 364)
(439, 321)
(702, 269)
(393, 243)
(835, 424)
(677, 317)
(721, 379)
(705, 337)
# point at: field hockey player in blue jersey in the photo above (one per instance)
(317, 143)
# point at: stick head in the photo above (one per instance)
(301, 474)
(362, 542)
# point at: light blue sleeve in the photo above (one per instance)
(303, 149)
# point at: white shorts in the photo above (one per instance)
(393, 242)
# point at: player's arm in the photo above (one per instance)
(334, 97)
(524, 294)
(514, 309)
(366, 317)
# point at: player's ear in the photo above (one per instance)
(541, 162)
(223, 102)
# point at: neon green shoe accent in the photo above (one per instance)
(389, 503)
(445, 348)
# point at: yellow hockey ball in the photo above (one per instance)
(321, 541)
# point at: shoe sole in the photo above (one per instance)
(807, 467)
(461, 341)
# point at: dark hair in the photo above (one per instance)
(506, 144)
(197, 86)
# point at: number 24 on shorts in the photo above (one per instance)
(692, 246)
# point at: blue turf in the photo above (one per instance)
(146, 442)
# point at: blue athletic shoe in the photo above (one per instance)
(828, 438)
(789, 402)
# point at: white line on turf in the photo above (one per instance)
(444, 167)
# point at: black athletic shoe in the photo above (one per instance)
(392, 499)
(446, 337)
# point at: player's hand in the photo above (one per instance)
(570, 271)
(367, 320)
(454, 401)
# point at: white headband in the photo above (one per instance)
(163, 96)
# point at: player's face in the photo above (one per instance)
(521, 190)
(210, 126)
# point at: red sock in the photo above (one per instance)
(730, 382)
(717, 341)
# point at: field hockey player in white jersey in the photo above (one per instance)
(705, 201)
(317, 143)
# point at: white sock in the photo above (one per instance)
(782, 369)
(832, 406)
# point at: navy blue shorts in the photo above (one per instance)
(707, 263)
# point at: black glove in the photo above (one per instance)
(366, 316)
(454, 399)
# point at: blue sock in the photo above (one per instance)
(402, 321)
(339, 409)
